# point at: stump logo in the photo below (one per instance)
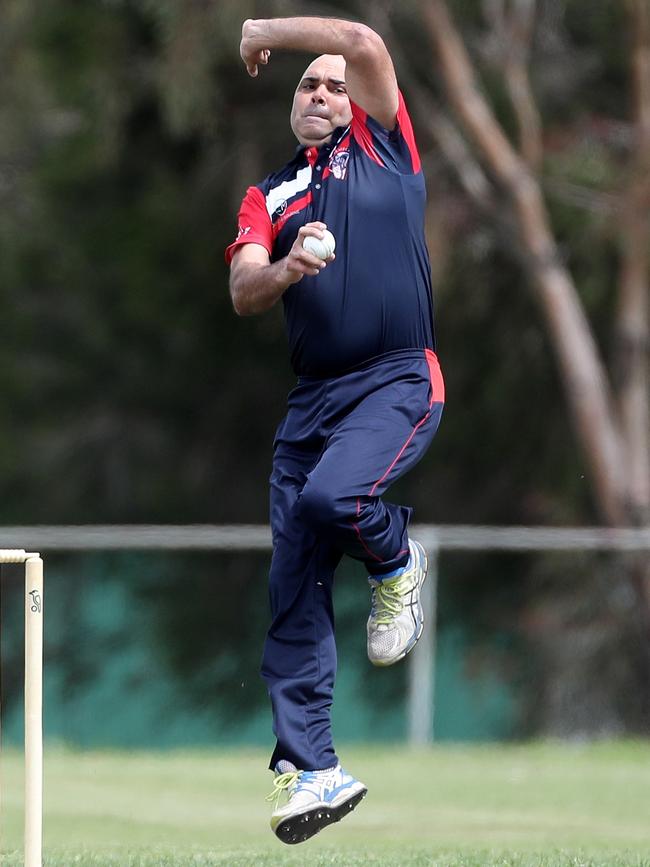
(36, 601)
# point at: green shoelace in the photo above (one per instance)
(387, 601)
(281, 785)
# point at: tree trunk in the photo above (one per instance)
(632, 337)
(581, 368)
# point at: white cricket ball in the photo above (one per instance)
(323, 248)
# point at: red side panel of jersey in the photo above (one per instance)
(365, 137)
(362, 134)
(405, 125)
(254, 224)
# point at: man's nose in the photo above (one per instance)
(318, 96)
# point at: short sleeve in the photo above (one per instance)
(254, 224)
(395, 149)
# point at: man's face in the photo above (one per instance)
(321, 103)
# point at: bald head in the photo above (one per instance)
(321, 103)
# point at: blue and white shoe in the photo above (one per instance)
(396, 616)
(316, 799)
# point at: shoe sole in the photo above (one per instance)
(381, 663)
(298, 828)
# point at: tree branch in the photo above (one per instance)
(632, 346)
(441, 128)
(512, 33)
(581, 368)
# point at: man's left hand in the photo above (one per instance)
(249, 48)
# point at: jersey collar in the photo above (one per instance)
(311, 154)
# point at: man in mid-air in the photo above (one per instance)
(369, 394)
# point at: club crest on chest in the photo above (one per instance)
(338, 164)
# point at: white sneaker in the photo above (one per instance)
(316, 799)
(396, 617)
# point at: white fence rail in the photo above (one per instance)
(248, 537)
(255, 537)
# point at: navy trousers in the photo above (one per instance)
(343, 442)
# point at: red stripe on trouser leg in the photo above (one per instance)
(399, 454)
(437, 396)
(364, 546)
(357, 530)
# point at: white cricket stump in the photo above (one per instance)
(33, 701)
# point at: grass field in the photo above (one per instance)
(514, 806)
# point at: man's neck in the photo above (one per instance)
(316, 144)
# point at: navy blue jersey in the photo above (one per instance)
(367, 185)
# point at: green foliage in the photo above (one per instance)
(125, 369)
(126, 361)
(128, 134)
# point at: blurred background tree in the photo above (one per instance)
(129, 132)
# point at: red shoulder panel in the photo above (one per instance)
(405, 125)
(362, 134)
(254, 224)
(366, 138)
